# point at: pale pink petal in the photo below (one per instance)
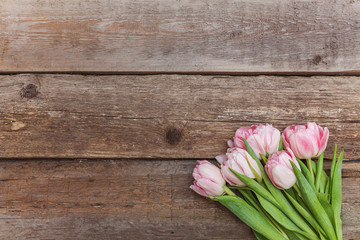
(242, 164)
(196, 175)
(230, 144)
(303, 144)
(257, 147)
(221, 158)
(271, 139)
(285, 141)
(323, 141)
(238, 142)
(231, 177)
(293, 159)
(283, 177)
(210, 187)
(253, 163)
(211, 171)
(237, 160)
(199, 190)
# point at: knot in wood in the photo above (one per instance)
(29, 91)
(173, 136)
(317, 59)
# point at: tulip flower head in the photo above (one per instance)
(262, 139)
(238, 160)
(306, 141)
(208, 180)
(279, 169)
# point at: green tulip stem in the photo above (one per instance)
(228, 191)
(309, 164)
(298, 191)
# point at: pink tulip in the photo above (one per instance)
(208, 180)
(237, 159)
(279, 169)
(261, 138)
(306, 141)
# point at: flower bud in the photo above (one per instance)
(306, 141)
(238, 160)
(261, 138)
(279, 169)
(208, 180)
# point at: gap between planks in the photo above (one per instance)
(216, 73)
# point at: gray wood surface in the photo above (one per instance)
(180, 36)
(126, 199)
(166, 116)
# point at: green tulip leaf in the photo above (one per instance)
(306, 173)
(333, 163)
(255, 186)
(258, 178)
(319, 172)
(281, 147)
(314, 204)
(282, 219)
(250, 216)
(323, 198)
(251, 200)
(304, 212)
(336, 194)
(259, 236)
(263, 158)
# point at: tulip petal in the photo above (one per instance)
(196, 175)
(221, 158)
(230, 144)
(283, 177)
(324, 140)
(210, 170)
(285, 137)
(210, 187)
(199, 190)
(230, 177)
(303, 144)
(271, 139)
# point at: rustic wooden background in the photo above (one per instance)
(106, 104)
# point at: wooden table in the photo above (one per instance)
(106, 104)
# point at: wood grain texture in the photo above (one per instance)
(165, 116)
(126, 199)
(180, 36)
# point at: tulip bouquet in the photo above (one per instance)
(263, 180)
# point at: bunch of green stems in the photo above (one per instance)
(308, 210)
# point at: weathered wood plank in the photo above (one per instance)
(180, 36)
(166, 116)
(125, 199)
